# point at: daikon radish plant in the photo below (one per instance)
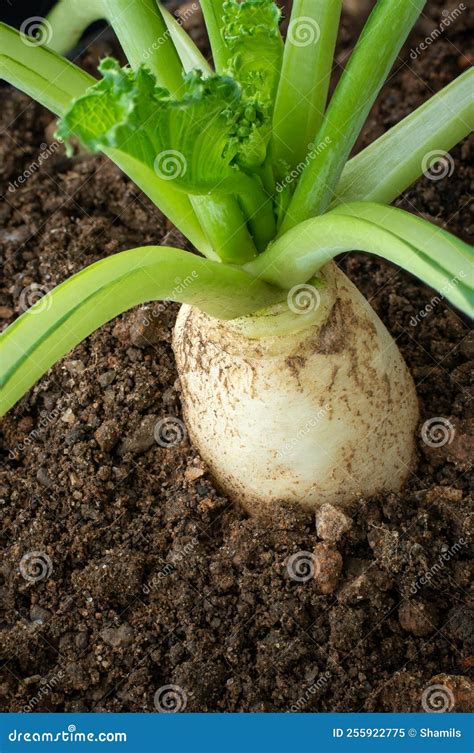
(292, 387)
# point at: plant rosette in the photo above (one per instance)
(292, 387)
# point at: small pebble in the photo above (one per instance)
(146, 329)
(106, 379)
(68, 416)
(191, 474)
(38, 614)
(328, 568)
(75, 367)
(6, 312)
(142, 438)
(32, 680)
(418, 617)
(116, 637)
(81, 641)
(107, 435)
(332, 523)
(43, 477)
(25, 424)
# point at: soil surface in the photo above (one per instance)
(125, 571)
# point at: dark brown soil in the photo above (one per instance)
(151, 577)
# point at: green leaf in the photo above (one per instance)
(145, 39)
(434, 256)
(443, 248)
(368, 67)
(97, 294)
(68, 20)
(304, 82)
(195, 144)
(251, 33)
(213, 15)
(383, 170)
(190, 55)
(140, 26)
(195, 141)
(40, 72)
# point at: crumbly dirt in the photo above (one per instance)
(124, 570)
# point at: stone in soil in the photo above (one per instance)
(332, 523)
(328, 568)
(418, 617)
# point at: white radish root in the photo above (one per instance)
(323, 413)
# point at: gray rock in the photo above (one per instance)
(116, 637)
(106, 378)
(141, 439)
(107, 435)
(332, 523)
(38, 614)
